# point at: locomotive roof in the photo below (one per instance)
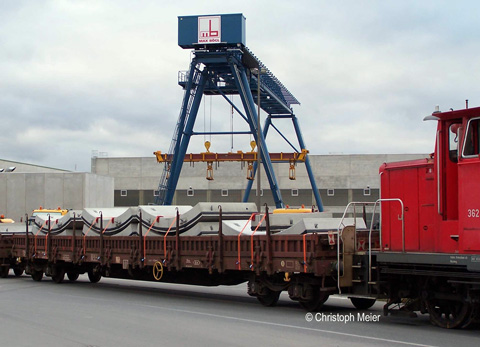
(453, 114)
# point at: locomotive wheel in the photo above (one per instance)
(269, 299)
(473, 319)
(72, 276)
(362, 303)
(317, 300)
(37, 275)
(449, 314)
(4, 271)
(94, 276)
(59, 275)
(446, 304)
(18, 271)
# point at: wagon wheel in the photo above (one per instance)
(317, 300)
(158, 271)
(18, 271)
(449, 313)
(37, 275)
(59, 275)
(72, 276)
(94, 276)
(270, 298)
(4, 271)
(362, 303)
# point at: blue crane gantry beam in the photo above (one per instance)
(223, 69)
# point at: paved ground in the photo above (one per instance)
(128, 313)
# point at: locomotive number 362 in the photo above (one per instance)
(473, 213)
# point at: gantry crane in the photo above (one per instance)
(222, 65)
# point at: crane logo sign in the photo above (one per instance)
(209, 29)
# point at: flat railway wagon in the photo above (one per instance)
(423, 256)
(305, 264)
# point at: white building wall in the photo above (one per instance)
(20, 193)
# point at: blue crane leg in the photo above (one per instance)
(311, 176)
(249, 105)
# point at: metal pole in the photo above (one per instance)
(259, 171)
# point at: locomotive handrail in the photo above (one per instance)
(340, 228)
(342, 225)
(380, 234)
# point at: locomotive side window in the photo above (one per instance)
(471, 145)
(453, 141)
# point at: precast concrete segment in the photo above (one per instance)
(56, 224)
(312, 225)
(120, 221)
(300, 223)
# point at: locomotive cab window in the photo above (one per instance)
(471, 145)
(454, 135)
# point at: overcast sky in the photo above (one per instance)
(78, 76)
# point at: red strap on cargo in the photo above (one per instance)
(37, 235)
(165, 239)
(84, 236)
(251, 238)
(111, 221)
(157, 219)
(238, 247)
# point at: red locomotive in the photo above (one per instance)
(432, 255)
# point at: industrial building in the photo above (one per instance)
(26, 187)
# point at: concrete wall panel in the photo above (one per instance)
(15, 196)
(73, 192)
(20, 193)
(35, 191)
(54, 191)
(3, 194)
